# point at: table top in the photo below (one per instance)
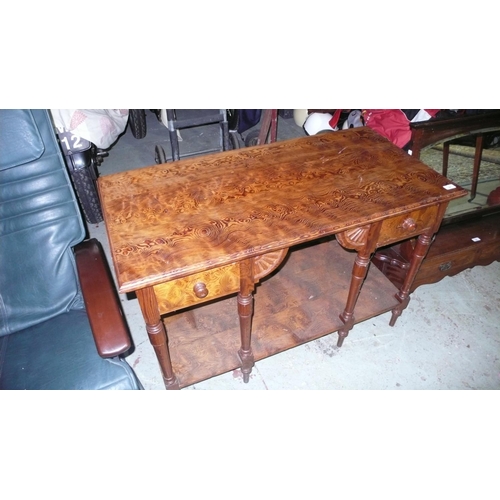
(172, 220)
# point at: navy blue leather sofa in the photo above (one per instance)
(61, 325)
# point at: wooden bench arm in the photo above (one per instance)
(110, 330)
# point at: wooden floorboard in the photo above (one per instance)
(299, 302)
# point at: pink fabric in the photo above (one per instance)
(77, 119)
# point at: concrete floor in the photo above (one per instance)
(447, 338)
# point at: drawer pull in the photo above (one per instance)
(409, 224)
(445, 266)
(200, 290)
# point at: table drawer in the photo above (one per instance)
(197, 288)
(408, 225)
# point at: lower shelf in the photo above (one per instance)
(299, 302)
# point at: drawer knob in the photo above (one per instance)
(200, 290)
(445, 266)
(409, 224)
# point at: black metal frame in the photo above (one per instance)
(173, 125)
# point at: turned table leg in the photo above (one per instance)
(157, 335)
(359, 272)
(446, 155)
(477, 164)
(245, 313)
(403, 296)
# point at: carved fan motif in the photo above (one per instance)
(353, 238)
(265, 264)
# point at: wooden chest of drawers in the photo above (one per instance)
(456, 247)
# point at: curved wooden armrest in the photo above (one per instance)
(430, 132)
(110, 330)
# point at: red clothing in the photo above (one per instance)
(394, 123)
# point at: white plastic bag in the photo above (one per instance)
(100, 126)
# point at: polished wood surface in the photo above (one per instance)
(173, 220)
(297, 303)
(200, 229)
(464, 240)
(433, 131)
(458, 246)
(109, 328)
(427, 133)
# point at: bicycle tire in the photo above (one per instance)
(137, 121)
(252, 138)
(86, 191)
(234, 140)
(160, 156)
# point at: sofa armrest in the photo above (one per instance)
(110, 330)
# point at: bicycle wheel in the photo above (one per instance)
(235, 142)
(86, 191)
(252, 138)
(160, 156)
(137, 121)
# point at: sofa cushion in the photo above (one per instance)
(20, 140)
(40, 222)
(60, 354)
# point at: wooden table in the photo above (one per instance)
(465, 240)
(199, 229)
